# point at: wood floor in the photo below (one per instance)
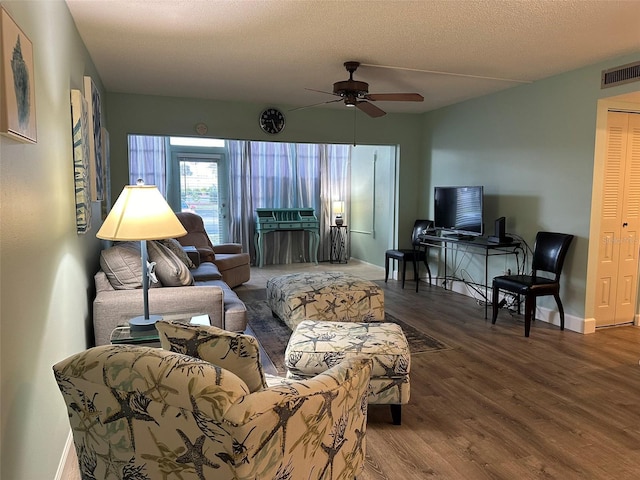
(556, 405)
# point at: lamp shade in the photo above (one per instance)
(141, 213)
(338, 207)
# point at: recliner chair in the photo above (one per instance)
(233, 263)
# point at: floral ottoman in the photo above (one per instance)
(316, 346)
(329, 296)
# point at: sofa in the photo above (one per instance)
(233, 263)
(183, 286)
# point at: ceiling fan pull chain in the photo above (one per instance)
(354, 127)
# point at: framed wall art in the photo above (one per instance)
(17, 100)
(106, 173)
(82, 180)
(94, 106)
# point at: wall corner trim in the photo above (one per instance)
(61, 474)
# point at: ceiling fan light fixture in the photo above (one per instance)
(350, 100)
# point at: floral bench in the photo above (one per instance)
(317, 346)
(326, 296)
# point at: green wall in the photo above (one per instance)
(233, 120)
(371, 220)
(46, 273)
(532, 147)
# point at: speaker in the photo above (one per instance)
(501, 225)
(500, 232)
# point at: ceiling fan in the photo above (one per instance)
(355, 93)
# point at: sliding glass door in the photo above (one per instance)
(203, 190)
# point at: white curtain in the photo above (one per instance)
(147, 160)
(283, 175)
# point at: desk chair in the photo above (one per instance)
(414, 255)
(549, 253)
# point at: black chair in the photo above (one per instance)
(414, 255)
(549, 253)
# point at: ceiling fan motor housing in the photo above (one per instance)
(353, 87)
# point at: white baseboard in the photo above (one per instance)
(589, 325)
(65, 457)
(571, 322)
(397, 275)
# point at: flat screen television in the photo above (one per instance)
(458, 210)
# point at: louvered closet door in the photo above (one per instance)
(616, 293)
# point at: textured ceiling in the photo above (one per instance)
(273, 51)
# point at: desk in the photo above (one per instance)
(338, 244)
(269, 220)
(483, 247)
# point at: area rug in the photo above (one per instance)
(273, 334)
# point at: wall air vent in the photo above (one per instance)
(620, 75)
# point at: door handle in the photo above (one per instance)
(625, 224)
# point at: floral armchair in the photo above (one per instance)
(147, 413)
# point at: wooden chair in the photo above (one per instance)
(549, 253)
(413, 255)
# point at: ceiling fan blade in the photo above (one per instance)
(316, 104)
(319, 91)
(395, 97)
(370, 109)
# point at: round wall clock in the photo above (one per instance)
(202, 129)
(272, 121)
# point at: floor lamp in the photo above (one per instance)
(141, 213)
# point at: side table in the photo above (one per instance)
(123, 334)
(338, 244)
(150, 338)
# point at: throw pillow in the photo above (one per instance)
(174, 245)
(170, 270)
(123, 266)
(232, 351)
(121, 263)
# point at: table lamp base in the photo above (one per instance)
(141, 323)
